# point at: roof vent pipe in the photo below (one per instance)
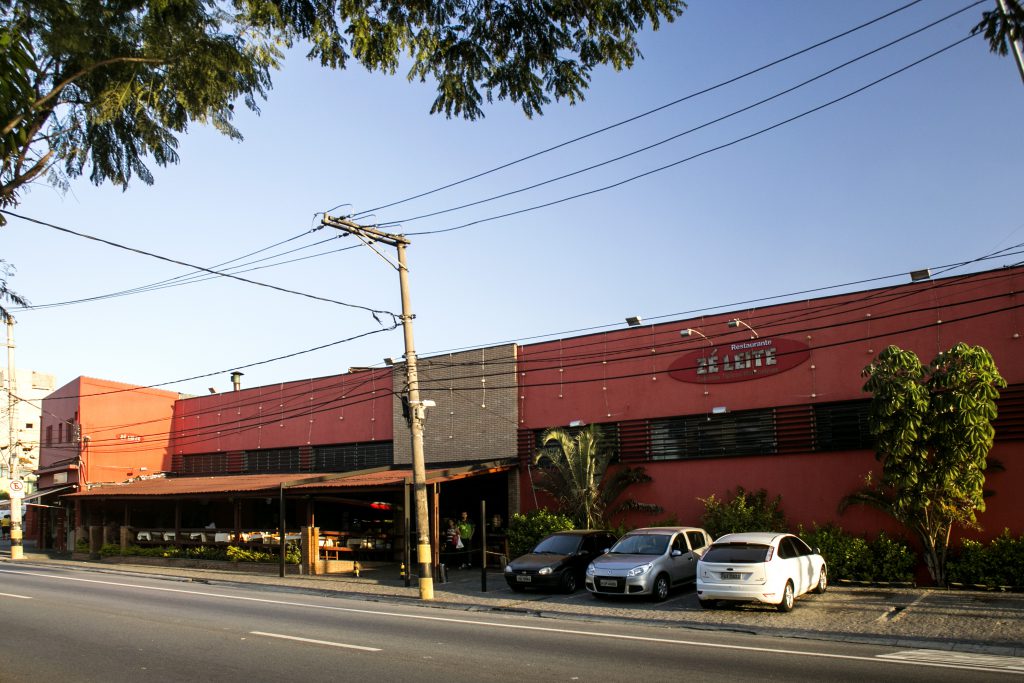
(236, 379)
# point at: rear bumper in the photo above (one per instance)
(765, 593)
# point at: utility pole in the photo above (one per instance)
(1015, 41)
(15, 492)
(418, 408)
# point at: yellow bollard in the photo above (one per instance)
(355, 567)
(401, 571)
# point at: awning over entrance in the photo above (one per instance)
(265, 484)
(33, 497)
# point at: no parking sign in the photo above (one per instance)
(16, 488)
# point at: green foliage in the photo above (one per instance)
(933, 430)
(883, 559)
(6, 270)
(575, 471)
(526, 530)
(104, 84)
(231, 553)
(747, 511)
(1002, 25)
(1000, 563)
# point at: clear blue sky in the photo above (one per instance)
(922, 170)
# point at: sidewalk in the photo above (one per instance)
(964, 621)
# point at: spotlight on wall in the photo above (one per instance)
(719, 410)
(690, 332)
(576, 423)
(736, 322)
(919, 275)
(634, 321)
(389, 361)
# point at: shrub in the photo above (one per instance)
(747, 511)
(855, 558)
(1001, 563)
(525, 531)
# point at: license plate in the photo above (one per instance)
(731, 575)
(524, 579)
(608, 583)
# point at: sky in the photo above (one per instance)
(921, 170)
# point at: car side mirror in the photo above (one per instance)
(676, 553)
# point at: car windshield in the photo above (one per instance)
(641, 544)
(736, 553)
(558, 545)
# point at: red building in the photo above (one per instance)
(95, 431)
(761, 398)
(771, 398)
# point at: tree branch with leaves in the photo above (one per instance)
(933, 430)
(575, 472)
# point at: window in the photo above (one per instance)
(272, 460)
(750, 432)
(207, 463)
(49, 435)
(355, 456)
(60, 432)
(737, 553)
(842, 426)
(696, 539)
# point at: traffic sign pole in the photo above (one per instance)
(16, 489)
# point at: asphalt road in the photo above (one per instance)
(74, 625)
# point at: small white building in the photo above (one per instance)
(21, 417)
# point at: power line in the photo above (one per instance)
(702, 126)
(637, 117)
(710, 150)
(372, 311)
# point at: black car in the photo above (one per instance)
(559, 561)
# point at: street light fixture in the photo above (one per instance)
(736, 322)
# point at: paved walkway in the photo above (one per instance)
(967, 621)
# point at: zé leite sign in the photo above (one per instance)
(740, 361)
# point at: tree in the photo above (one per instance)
(575, 473)
(933, 431)
(105, 84)
(6, 270)
(1002, 25)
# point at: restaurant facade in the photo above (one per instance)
(760, 398)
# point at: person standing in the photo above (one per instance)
(466, 531)
(5, 527)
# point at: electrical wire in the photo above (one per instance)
(372, 311)
(684, 133)
(705, 152)
(642, 115)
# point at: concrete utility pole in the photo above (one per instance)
(1015, 42)
(418, 408)
(15, 491)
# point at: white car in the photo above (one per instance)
(769, 567)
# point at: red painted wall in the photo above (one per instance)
(623, 375)
(124, 428)
(350, 408)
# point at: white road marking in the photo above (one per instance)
(978, 662)
(315, 642)
(877, 659)
(12, 595)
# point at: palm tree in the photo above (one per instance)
(575, 473)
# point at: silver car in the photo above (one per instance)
(648, 562)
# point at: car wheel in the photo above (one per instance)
(659, 593)
(708, 604)
(569, 584)
(786, 604)
(822, 581)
